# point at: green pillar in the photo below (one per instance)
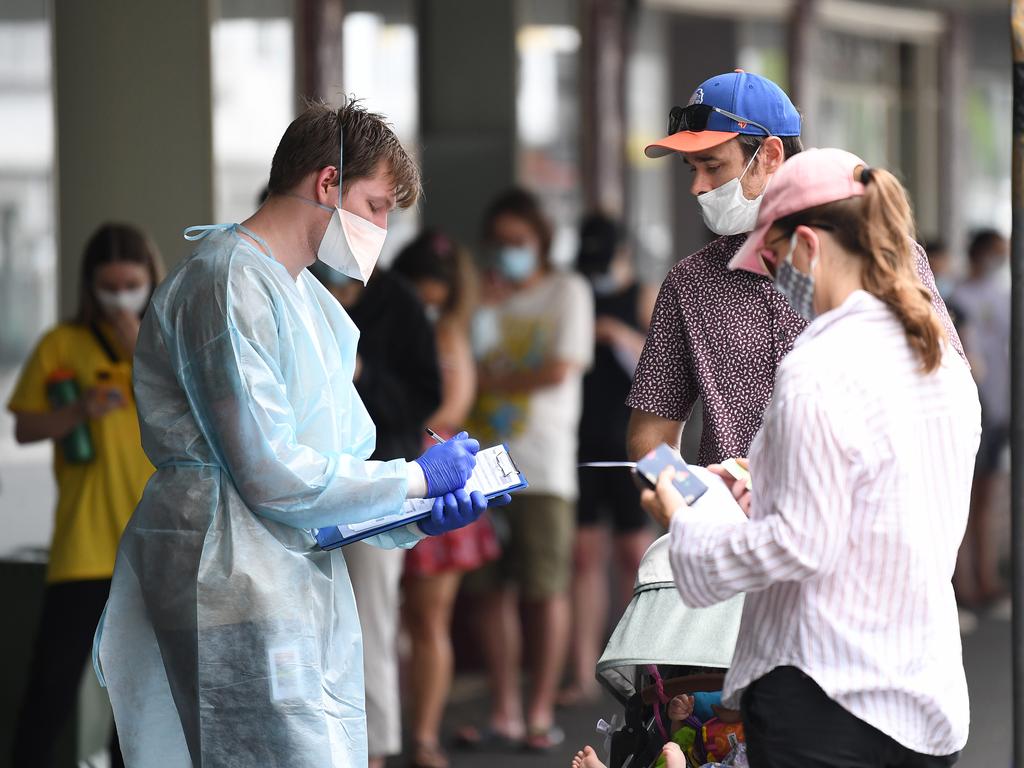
(468, 112)
(134, 123)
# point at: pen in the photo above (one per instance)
(433, 434)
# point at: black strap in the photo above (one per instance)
(102, 341)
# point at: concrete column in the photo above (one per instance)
(134, 123)
(468, 112)
(318, 60)
(711, 49)
(606, 30)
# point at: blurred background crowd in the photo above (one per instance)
(513, 300)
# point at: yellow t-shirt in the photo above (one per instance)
(94, 499)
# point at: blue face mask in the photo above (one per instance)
(517, 262)
(797, 287)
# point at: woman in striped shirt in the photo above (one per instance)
(849, 650)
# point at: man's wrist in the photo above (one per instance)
(417, 481)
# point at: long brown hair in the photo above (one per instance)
(112, 243)
(879, 227)
(432, 255)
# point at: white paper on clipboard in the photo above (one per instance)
(495, 473)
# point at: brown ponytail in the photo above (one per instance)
(879, 226)
(890, 273)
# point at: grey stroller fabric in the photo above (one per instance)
(657, 628)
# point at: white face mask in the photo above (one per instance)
(351, 245)
(726, 211)
(133, 300)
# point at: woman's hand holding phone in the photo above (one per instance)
(736, 475)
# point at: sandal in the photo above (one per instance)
(427, 755)
(486, 740)
(541, 739)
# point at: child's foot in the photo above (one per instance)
(674, 757)
(587, 758)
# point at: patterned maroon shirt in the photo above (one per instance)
(719, 335)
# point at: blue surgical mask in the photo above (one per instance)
(604, 283)
(797, 287)
(944, 285)
(517, 262)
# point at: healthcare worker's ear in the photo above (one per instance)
(328, 190)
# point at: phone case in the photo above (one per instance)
(651, 465)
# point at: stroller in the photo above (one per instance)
(660, 649)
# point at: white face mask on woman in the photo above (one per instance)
(132, 300)
(726, 210)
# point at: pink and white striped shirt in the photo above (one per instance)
(861, 485)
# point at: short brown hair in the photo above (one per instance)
(311, 143)
(749, 144)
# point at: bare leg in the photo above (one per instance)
(589, 611)
(587, 758)
(629, 551)
(549, 640)
(501, 636)
(983, 547)
(428, 610)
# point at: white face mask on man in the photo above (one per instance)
(726, 210)
(351, 244)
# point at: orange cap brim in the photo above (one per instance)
(688, 141)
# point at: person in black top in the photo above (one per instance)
(399, 381)
(605, 494)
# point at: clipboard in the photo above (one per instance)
(496, 473)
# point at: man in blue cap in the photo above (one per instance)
(718, 334)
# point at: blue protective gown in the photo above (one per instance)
(229, 639)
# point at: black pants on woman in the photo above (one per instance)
(789, 722)
(63, 647)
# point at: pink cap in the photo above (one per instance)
(806, 180)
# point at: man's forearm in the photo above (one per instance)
(647, 431)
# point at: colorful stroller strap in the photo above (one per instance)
(659, 684)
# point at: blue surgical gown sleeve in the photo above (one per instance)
(246, 362)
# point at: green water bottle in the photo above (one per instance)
(62, 390)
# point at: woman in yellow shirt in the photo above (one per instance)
(99, 465)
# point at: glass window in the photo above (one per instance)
(380, 67)
(252, 57)
(650, 181)
(989, 128)
(858, 106)
(548, 115)
(28, 277)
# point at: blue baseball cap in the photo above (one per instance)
(754, 106)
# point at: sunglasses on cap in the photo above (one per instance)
(695, 118)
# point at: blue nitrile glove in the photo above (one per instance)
(458, 509)
(447, 466)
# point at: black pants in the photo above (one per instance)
(789, 722)
(63, 645)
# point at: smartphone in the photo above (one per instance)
(738, 472)
(651, 465)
